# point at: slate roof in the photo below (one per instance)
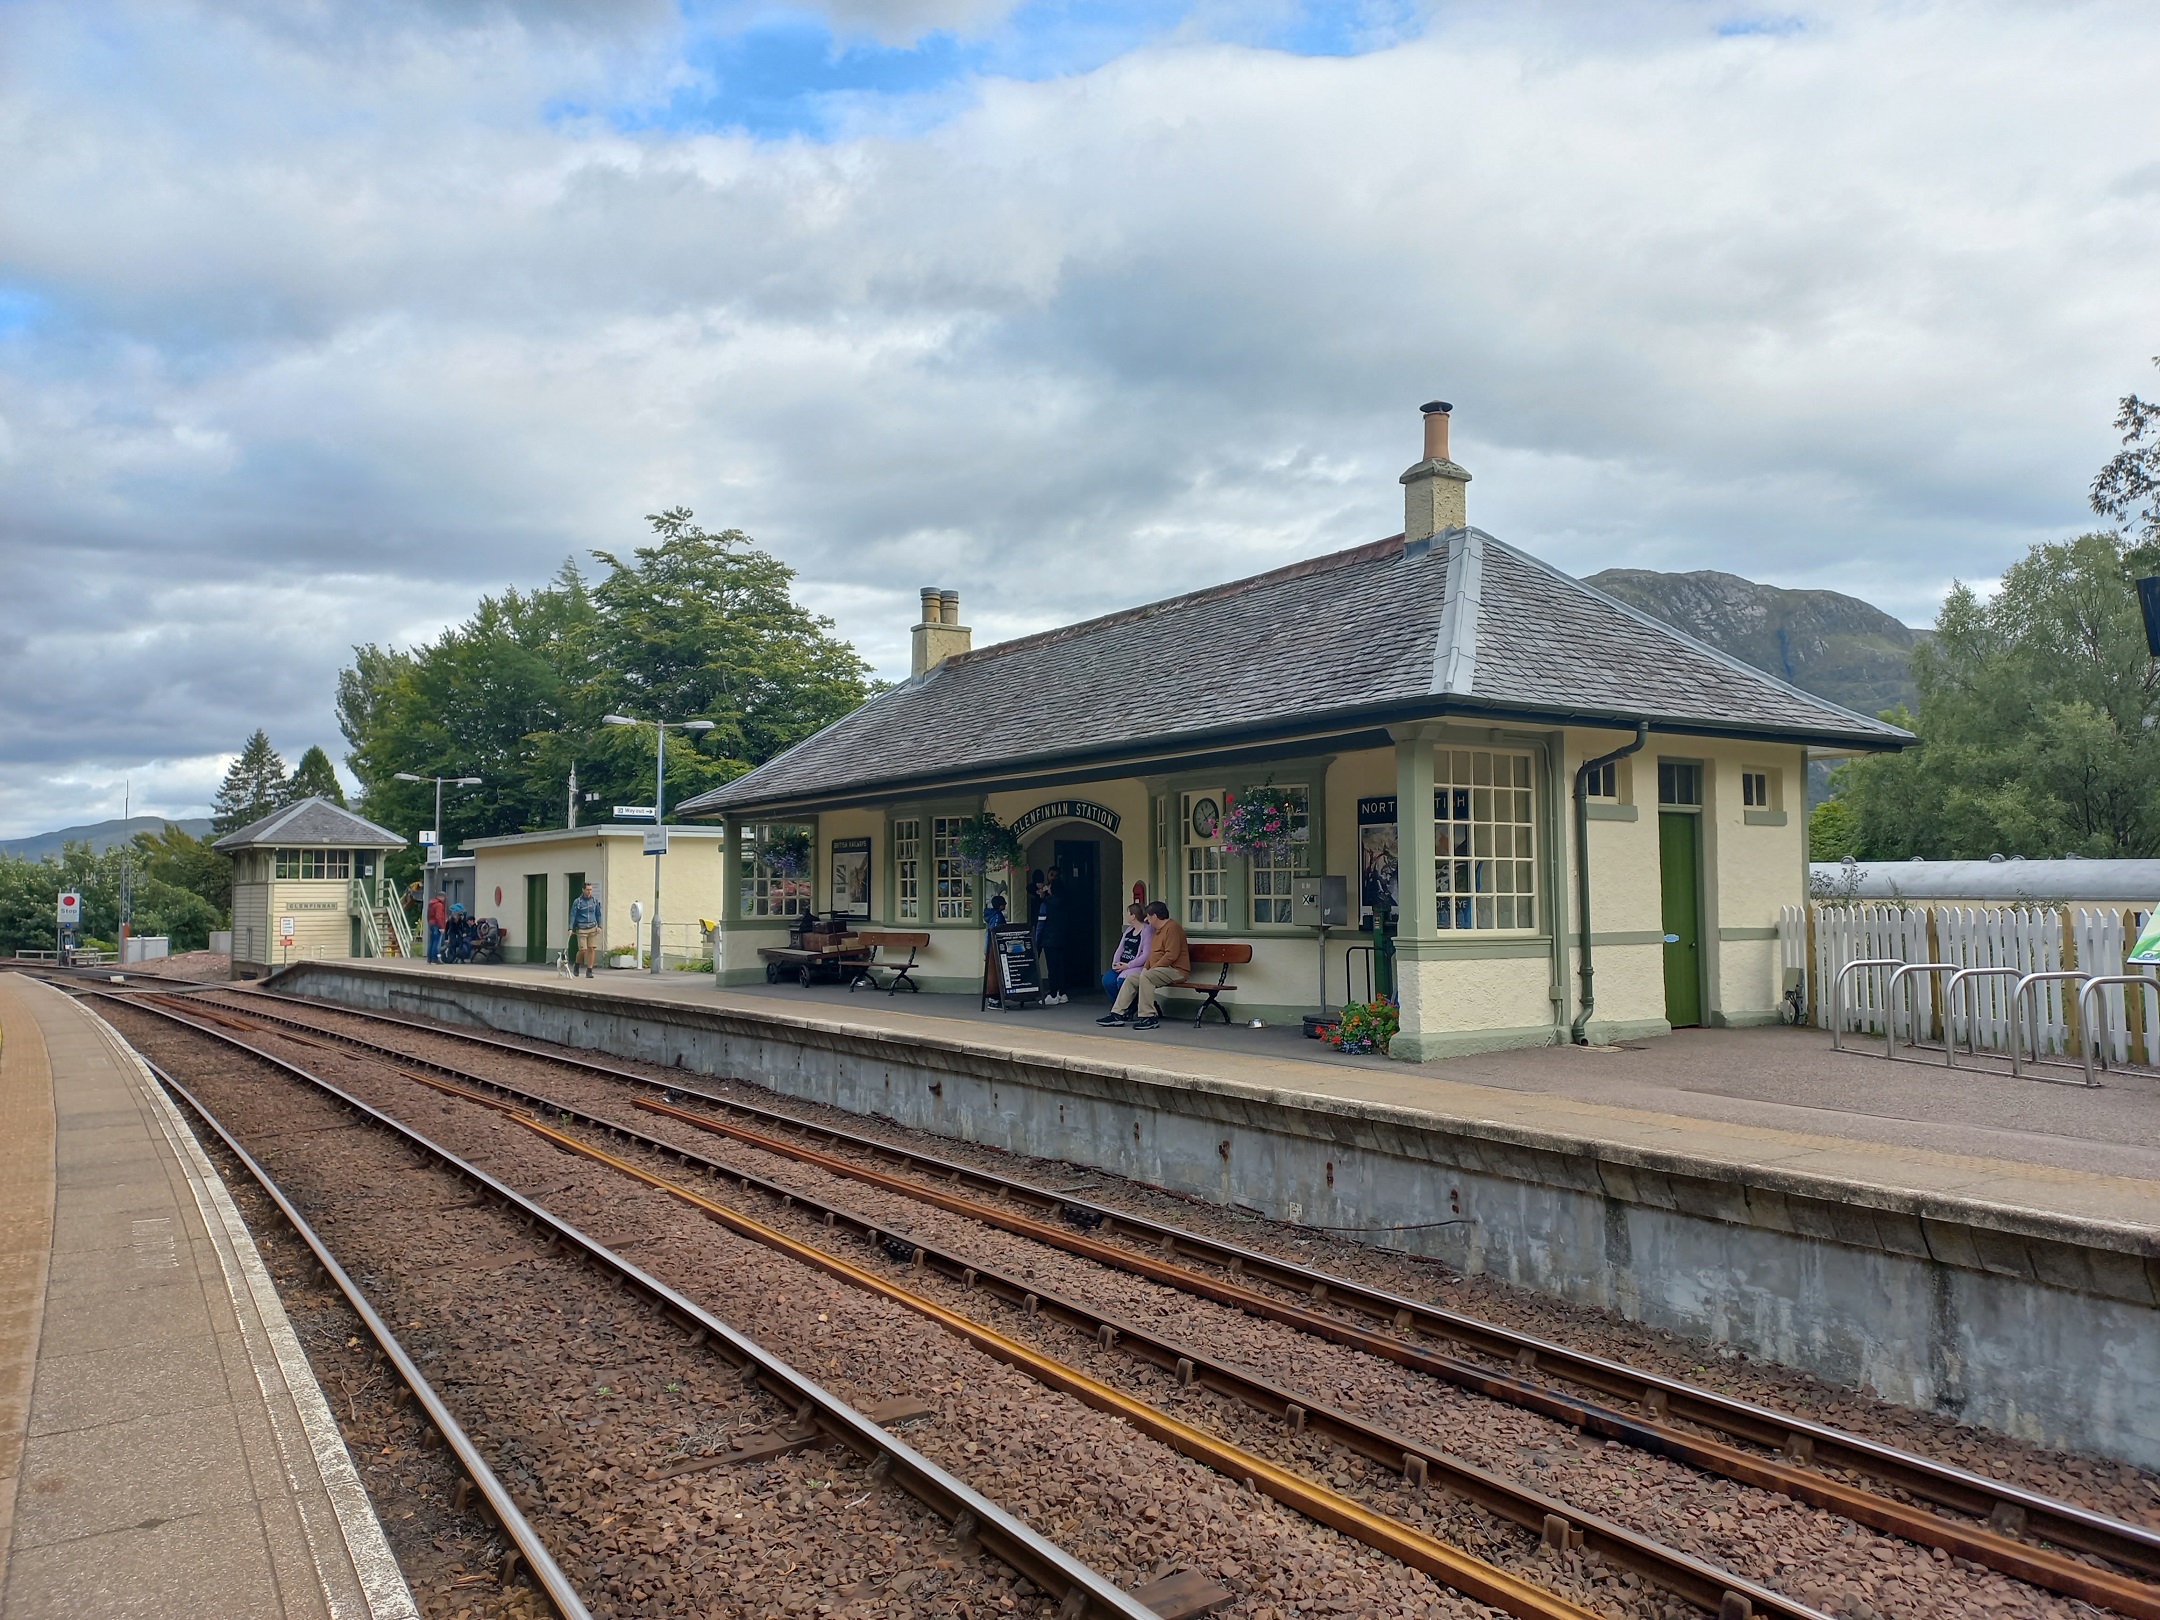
(313, 822)
(1462, 624)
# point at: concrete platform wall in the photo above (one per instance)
(2037, 1326)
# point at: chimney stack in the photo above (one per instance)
(940, 635)
(1433, 489)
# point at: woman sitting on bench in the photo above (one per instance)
(1168, 960)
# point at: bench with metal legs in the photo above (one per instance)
(1837, 994)
(2032, 982)
(2095, 1031)
(1972, 1014)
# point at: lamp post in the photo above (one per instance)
(659, 803)
(434, 866)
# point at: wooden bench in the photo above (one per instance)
(1209, 990)
(901, 971)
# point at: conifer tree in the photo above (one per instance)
(252, 788)
(313, 778)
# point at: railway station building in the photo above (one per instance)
(526, 881)
(1425, 700)
(308, 886)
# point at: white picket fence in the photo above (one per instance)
(2023, 939)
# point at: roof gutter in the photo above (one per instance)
(1588, 999)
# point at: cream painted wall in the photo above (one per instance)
(1456, 996)
(618, 872)
(1757, 868)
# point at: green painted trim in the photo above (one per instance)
(731, 978)
(1620, 936)
(1430, 1046)
(1741, 1020)
(1763, 818)
(1458, 949)
(1612, 1031)
(1747, 933)
(1598, 810)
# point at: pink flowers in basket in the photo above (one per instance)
(1262, 823)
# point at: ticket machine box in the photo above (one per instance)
(1320, 902)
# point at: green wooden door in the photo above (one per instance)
(536, 918)
(1679, 875)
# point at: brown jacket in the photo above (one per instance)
(1169, 948)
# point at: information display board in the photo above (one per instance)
(1011, 978)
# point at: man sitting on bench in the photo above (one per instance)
(1169, 959)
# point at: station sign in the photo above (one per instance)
(70, 909)
(287, 927)
(633, 812)
(656, 840)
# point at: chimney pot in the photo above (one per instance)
(940, 635)
(949, 603)
(1433, 489)
(931, 598)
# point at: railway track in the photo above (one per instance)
(1657, 1415)
(806, 1415)
(1561, 1529)
(1562, 1526)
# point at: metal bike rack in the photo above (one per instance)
(2032, 981)
(2094, 1031)
(1890, 1004)
(1972, 1014)
(1837, 994)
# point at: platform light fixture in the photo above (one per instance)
(434, 866)
(658, 839)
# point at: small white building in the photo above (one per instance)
(308, 885)
(526, 881)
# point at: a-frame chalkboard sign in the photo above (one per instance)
(1009, 972)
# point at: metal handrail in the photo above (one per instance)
(2032, 981)
(2094, 1031)
(1365, 951)
(1837, 994)
(1972, 1017)
(1890, 1004)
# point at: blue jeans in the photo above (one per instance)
(434, 943)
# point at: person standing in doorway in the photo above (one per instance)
(438, 918)
(585, 928)
(1168, 960)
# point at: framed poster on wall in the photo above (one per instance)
(1378, 871)
(851, 876)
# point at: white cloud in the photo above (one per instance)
(324, 353)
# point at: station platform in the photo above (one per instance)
(1771, 1097)
(1960, 1242)
(165, 1450)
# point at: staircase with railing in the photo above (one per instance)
(383, 928)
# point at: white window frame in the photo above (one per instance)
(1486, 876)
(1768, 795)
(1273, 883)
(907, 868)
(1204, 870)
(764, 892)
(329, 865)
(954, 884)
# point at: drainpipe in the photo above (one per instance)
(1582, 873)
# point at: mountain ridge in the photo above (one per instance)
(99, 835)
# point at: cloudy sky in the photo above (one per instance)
(319, 320)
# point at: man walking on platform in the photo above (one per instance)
(438, 917)
(1169, 960)
(585, 928)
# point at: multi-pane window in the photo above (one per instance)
(1603, 781)
(314, 863)
(775, 871)
(1207, 874)
(1755, 790)
(1484, 841)
(1273, 880)
(955, 885)
(907, 867)
(1679, 781)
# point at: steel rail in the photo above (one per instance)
(973, 1515)
(1702, 1584)
(2009, 1508)
(1561, 1524)
(524, 1540)
(1465, 1572)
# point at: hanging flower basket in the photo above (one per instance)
(1260, 824)
(987, 844)
(787, 855)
